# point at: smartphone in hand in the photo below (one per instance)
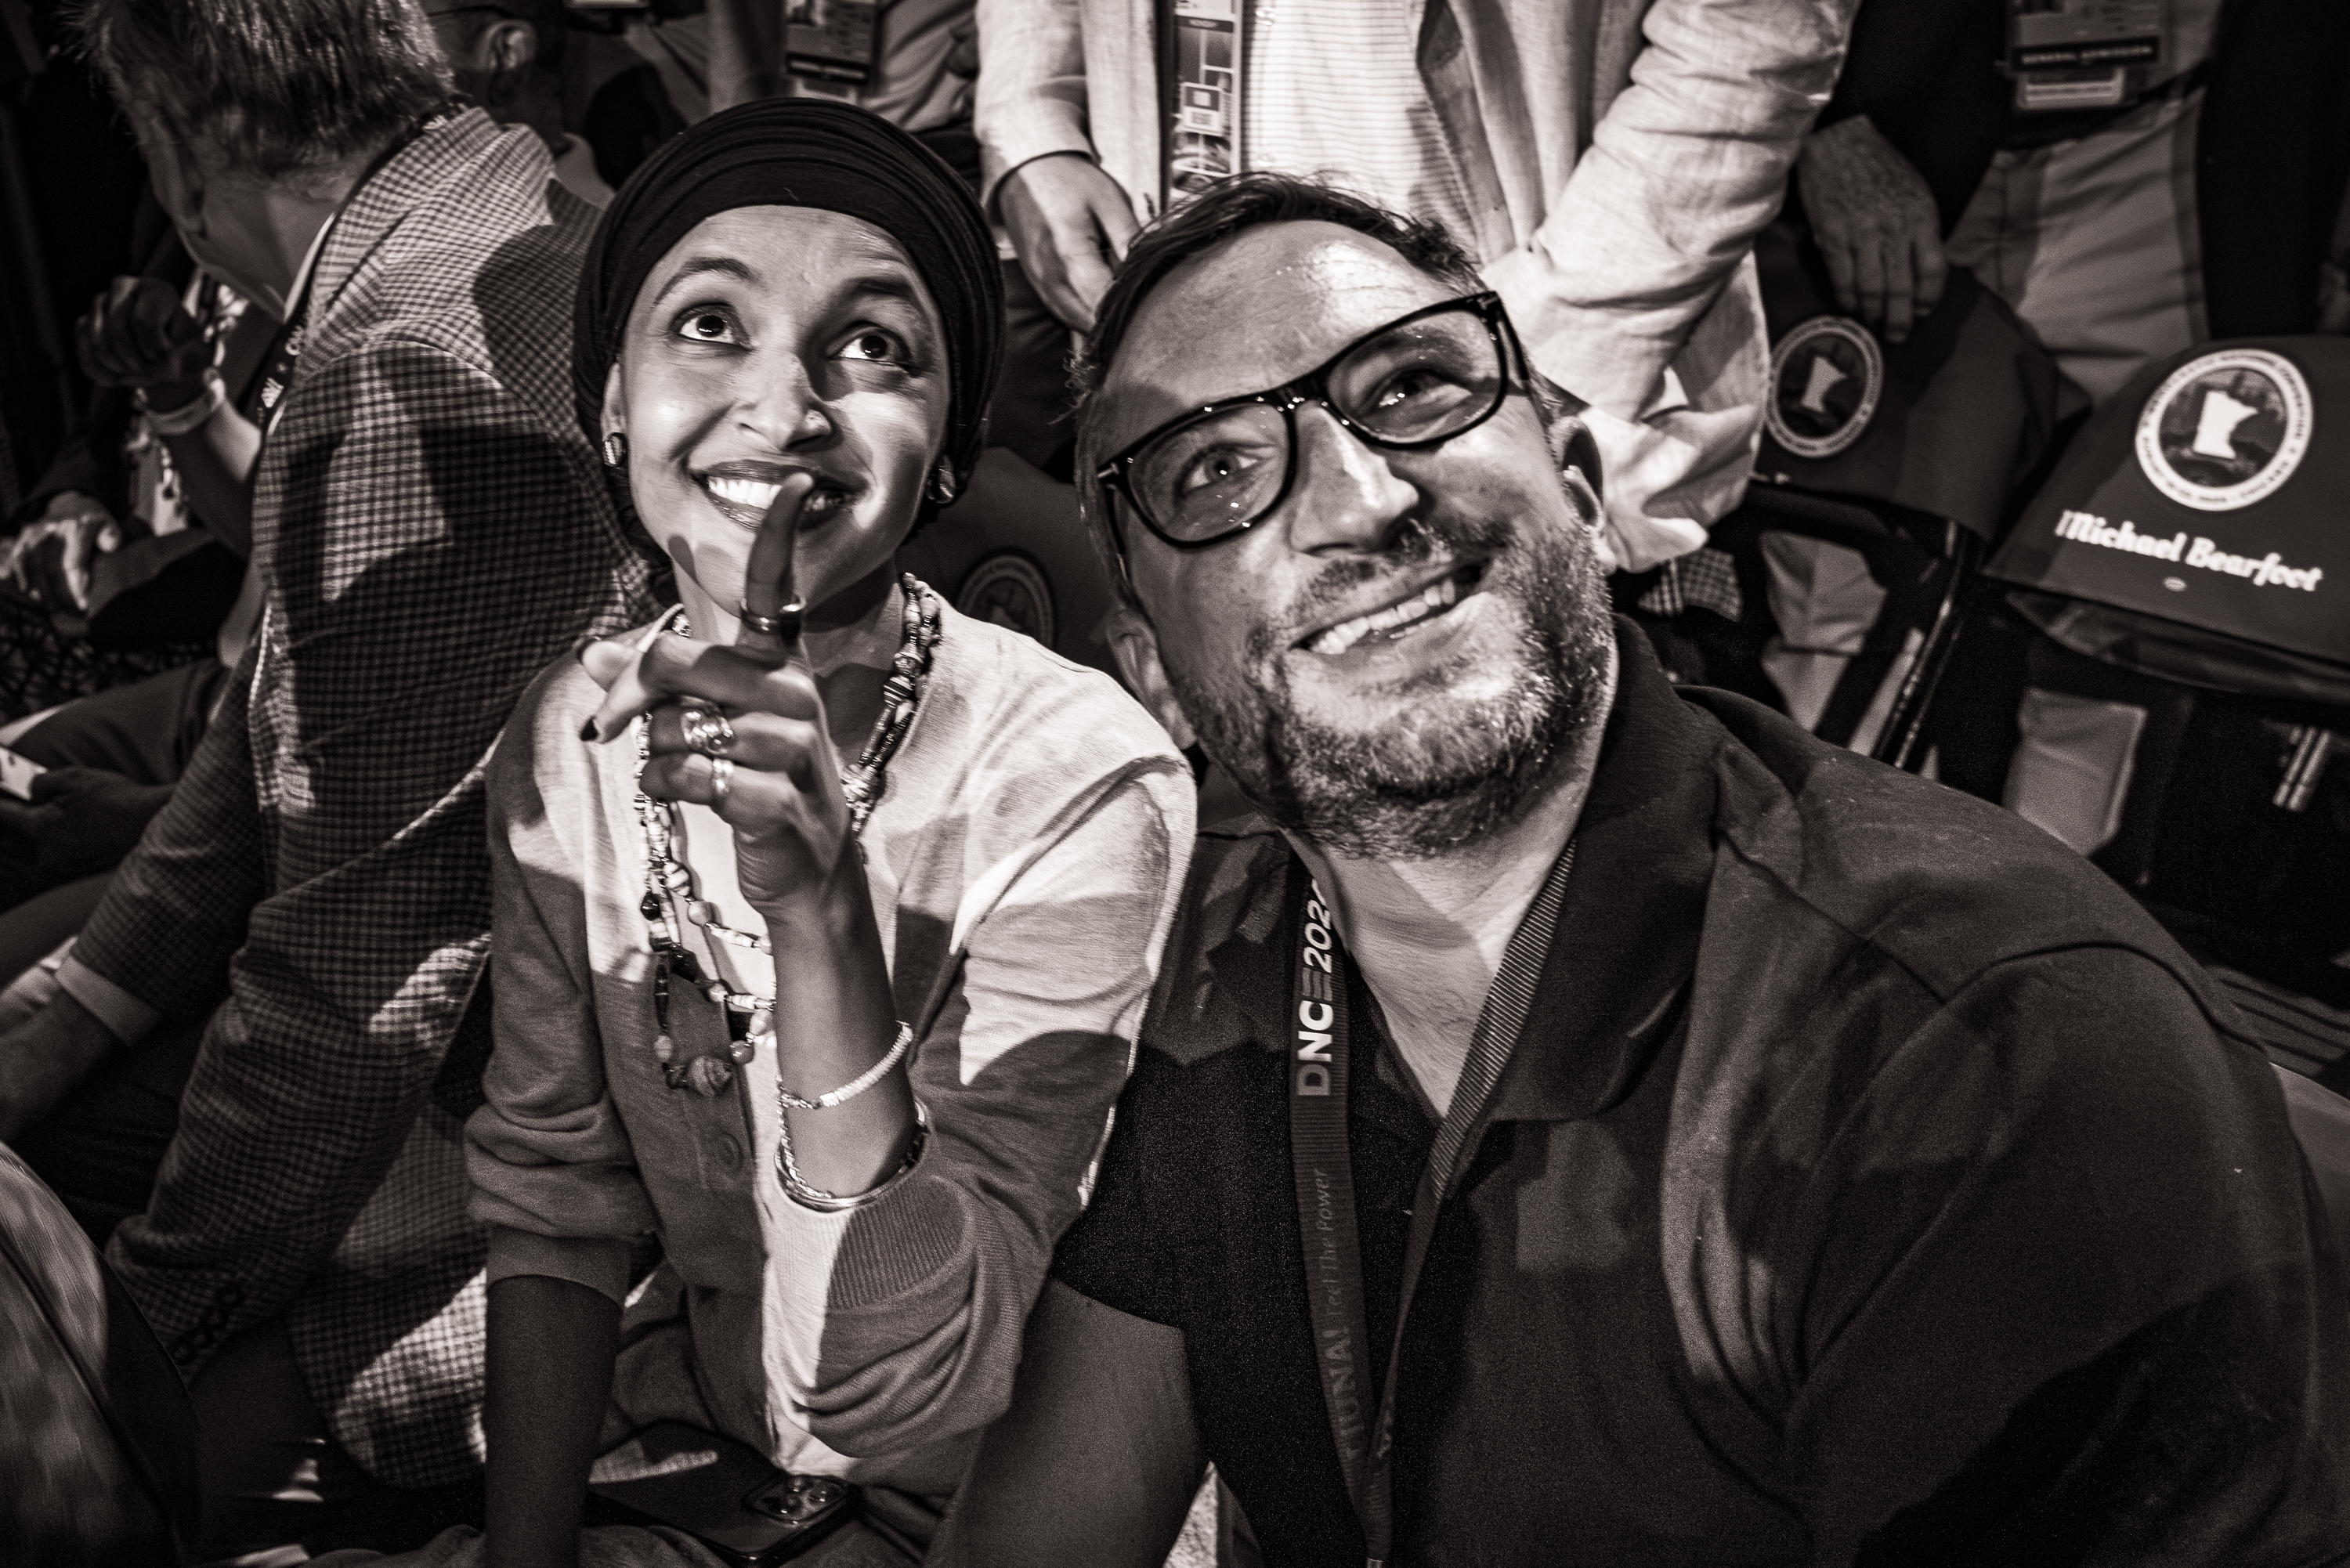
(721, 1492)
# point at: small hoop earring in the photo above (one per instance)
(616, 450)
(942, 483)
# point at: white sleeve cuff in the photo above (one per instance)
(127, 1017)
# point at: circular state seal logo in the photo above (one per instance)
(1009, 589)
(2226, 429)
(1825, 377)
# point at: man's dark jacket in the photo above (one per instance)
(1874, 1183)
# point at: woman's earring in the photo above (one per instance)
(942, 483)
(616, 450)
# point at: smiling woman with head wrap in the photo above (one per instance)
(825, 915)
(808, 153)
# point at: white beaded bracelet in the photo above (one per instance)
(855, 1086)
(190, 416)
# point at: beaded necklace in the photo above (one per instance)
(670, 906)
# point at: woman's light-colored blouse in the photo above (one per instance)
(1025, 862)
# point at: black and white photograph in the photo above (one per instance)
(1175, 783)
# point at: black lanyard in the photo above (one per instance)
(277, 365)
(1323, 1169)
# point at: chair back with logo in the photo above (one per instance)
(1014, 551)
(1885, 472)
(2187, 565)
(1954, 420)
(97, 1458)
(2194, 530)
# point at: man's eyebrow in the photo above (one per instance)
(702, 266)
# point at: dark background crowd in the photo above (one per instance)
(1929, 387)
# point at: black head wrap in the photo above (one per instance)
(802, 152)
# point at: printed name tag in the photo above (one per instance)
(2078, 53)
(831, 40)
(1203, 130)
(2216, 508)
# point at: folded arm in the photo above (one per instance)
(158, 945)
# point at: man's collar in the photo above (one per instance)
(449, 149)
(1627, 935)
(1626, 938)
(296, 295)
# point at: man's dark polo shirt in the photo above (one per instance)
(1873, 1183)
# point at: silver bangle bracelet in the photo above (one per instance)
(855, 1086)
(796, 1188)
(190, 416)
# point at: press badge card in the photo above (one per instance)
(2077, 53)
(830, 40)
(1203, 133)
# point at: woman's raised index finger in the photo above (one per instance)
(771, 601)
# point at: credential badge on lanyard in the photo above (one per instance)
(1204, 123)
(1323, 1166)
(2079, 53)
(830, 40)
(1323, 1169)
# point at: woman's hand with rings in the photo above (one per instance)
(704, 730)
(741, 730)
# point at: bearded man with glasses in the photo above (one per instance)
(1584, 1120)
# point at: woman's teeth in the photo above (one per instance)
(1394, 618)
(758, 495)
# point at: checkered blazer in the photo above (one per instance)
(431, 530)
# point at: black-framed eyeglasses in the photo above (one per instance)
(1211, 474)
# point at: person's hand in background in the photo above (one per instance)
(1070, 221)
(50, 559)
(138, 334)
(1877, 225)
(43, 1058)
(963, 61)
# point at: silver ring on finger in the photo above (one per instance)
(706, 730)
(722, 779)
(784, 624)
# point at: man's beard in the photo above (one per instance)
(1449, 771)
